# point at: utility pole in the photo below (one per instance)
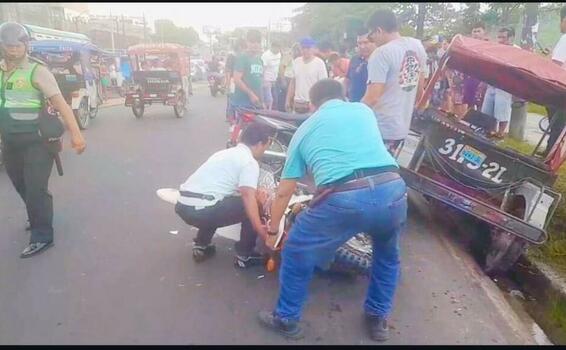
(144, 24)
(112, 33)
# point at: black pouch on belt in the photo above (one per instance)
(51, 129)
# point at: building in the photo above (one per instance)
(117, 32)
(54, 15)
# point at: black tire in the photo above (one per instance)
(82, 115)
(138, 109)
(93, 112)
(503, 252)
(349, 259)
(181, 106)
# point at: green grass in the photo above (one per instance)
(558, 313)
(553, 251)
(534, 108)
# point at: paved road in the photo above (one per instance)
(118, 276)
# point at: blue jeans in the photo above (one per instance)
(380, 211)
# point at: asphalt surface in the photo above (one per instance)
(117, 275)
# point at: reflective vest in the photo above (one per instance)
(18, 95)
(20, 101)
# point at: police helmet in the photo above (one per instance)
(13, 34)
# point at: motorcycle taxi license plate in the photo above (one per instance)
(473, 156)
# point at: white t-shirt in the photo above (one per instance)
(306, 75)
(397, 64)
(559, 52)
(221, 176)
(271, 63)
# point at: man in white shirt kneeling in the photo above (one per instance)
(222, 192)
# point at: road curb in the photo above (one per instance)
(548, 288)
(535, 278)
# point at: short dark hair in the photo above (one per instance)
(478, 25)
(384, 19)
(276, 44)
(256, 133)
(510, 31)
(253, 36)
(324, 90)
(239, 44)
(563, 13)
(362, 31)
(325, 46)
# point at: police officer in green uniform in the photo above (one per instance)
(24, 87)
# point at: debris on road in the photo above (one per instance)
(198, 284)
(174, 232)
(260, 277)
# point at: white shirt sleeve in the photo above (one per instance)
(559, 52)
(378, 67)
(265, 58)
(292, 71)
(249, 176)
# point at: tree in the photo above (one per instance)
(421, 15)
(530, 21)
(167, 31)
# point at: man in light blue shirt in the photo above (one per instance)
(358, 190)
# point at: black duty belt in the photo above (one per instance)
(190, 194)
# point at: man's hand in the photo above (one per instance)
(254, 99)
(270, 242)
(78, 143)
(262, 232)
(288, 106)
(77, 140)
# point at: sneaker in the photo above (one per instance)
(378, 329)
(35, 248)
(288, 329)
(245, 261)
(201, 253)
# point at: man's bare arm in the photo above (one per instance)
(284, 193)
(290, 93)
(237, 76)
(373, 94)
(77, 140)
(252, 210)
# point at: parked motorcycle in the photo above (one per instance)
(216, 83)
(355, 256)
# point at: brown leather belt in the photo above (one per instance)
(369, 181)
(376, 180)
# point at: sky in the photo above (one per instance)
(226, 16)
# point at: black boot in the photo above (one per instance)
(377, 327)
(201, 253)
(288, 329)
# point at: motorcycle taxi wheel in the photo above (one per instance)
(180, 107)
(82, 115)
(138, 108)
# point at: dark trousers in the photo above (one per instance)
(558, 121)
(28, 164)
(229, 211)
(281, 86)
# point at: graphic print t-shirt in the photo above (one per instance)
(397, 64)
(252, 69)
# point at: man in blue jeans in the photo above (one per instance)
(358, 190)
